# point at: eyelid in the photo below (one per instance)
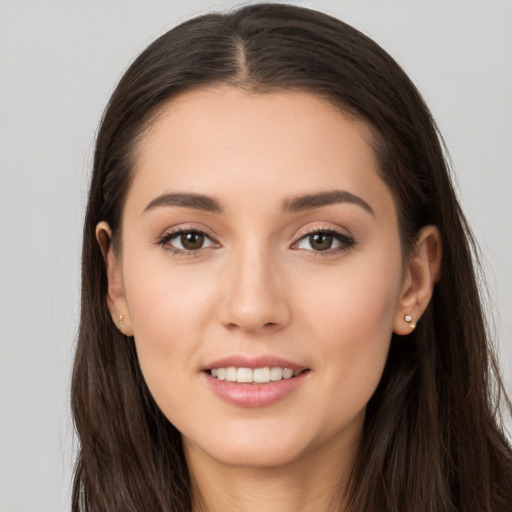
(186, 228)
(345, 240)
(175, 231)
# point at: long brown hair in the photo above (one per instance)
(432, 440)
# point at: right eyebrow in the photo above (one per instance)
(186, 200)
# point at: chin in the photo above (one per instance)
(248, 444)
(265, 446)
(256, 456)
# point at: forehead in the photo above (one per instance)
(223, 140)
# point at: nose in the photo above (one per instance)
(254, 295)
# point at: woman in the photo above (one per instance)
(279, 304)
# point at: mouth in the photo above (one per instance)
(261, 375)
(253, 382)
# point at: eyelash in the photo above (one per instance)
(165, 239)
(346, 242)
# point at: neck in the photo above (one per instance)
(316, 482)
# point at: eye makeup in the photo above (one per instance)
(191, 241)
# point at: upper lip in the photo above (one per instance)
(240, 361)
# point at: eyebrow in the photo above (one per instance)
(309, 201)
(186, 200)
(296, 204)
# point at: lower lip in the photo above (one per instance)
(254, 395)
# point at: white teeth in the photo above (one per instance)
(261, 375)
(287, 373)
(276, 374)
(258, 375)
(244, 375)
(231, 374)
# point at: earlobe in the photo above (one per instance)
(422, 272)
(115, 294)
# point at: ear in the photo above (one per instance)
(421, 273)
(115, 295)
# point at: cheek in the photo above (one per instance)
(165, 299)
(350, 317)
(169, 311)
(358, 298)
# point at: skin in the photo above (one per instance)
(259, 286)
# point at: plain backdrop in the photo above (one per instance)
(59, 62)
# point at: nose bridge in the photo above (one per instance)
(254, 295)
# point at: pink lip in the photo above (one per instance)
(254, 395)
(253, 362)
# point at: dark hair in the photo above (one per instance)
(432, 440)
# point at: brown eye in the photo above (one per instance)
(326, 240)
(192, 241)
(187, 241)
(320, 241)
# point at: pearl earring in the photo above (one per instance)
(120, 321)
(410, 321)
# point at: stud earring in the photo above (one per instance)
(410, 321)
(120, 321)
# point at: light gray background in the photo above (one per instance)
(59, 61)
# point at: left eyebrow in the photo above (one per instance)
(309, 201)
(186, 200)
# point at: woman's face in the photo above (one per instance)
(259, 242)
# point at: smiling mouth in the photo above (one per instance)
(254, 376)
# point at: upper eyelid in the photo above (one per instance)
(321, 229)
(172, 231)
(299, 234)
(346, 240)
(164, 241)
(335, 234)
